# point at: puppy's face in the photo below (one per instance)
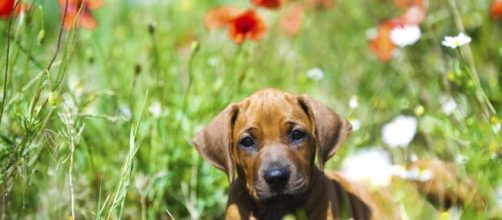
(273, 146)
(271, 139)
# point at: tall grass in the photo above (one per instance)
(98, 123)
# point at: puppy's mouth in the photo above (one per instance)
(279, 199)
(291, 193)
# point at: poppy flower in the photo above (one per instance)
(403, 31)
(291, 21)
(247, 25)
(496, 9)
(7, 7)
(270, 4)
(382, 44)
(85, 19)
(220, 17)
(241, 25)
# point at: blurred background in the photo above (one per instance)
(100, 98)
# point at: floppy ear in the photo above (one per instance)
(330, 129)
(215, 140)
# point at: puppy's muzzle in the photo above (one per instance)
(276, 177)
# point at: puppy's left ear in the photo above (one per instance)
(215, 141)
(330, 129)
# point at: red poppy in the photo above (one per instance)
(247, 25)
(270, 4)
(6, 8)
(291, 21)
(220, 17)
(382, 44)
(241, 25)
(496, 9)
(85, 19)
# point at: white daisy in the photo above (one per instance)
(400, 131)
(453, 213)
(496, 128)
(406, 35)
(496, 124)
(356, 124)
(155, 109)
(417, 174)
(456, 41)
(461, 159)
(448, 105)
(499, 195)
(369, 166)
(315, 74)
(125, 111)
(353, 103)
(213, 61)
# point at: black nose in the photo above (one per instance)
(276, 176)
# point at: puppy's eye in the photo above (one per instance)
(297, 135)
(246, 142)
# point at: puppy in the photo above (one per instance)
(271, 141)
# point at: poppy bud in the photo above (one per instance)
(41, 36)
(151, 28)
(52, 100)
(195, 46)
(137, 69)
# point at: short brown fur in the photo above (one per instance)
(268, 118)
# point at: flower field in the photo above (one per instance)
(99, 99)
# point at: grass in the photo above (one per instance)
(101, 128)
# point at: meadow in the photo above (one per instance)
(99, 103)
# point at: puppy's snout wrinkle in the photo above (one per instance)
(276, 176)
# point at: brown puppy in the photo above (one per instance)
(271, 140)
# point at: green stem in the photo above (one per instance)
(246, 64)
(4, 96)
(195, 49)
(27, 53)
(156, 61)
(467, 52)
(58, 45)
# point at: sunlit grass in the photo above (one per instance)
(79, 136)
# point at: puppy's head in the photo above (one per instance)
(271, 139)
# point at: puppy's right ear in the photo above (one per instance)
(215, 141)
(331, 129)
